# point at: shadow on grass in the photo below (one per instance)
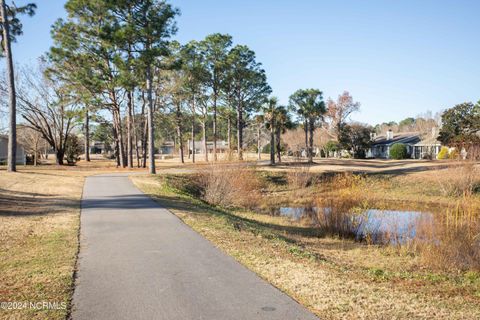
(371, 166)
(32, 204)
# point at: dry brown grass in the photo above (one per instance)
(300, 177)
(452, 241)
(39, 219)
(462, 179)
(449, 242)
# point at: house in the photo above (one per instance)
(168, 147)
(418, 146)
(21, 156)
(427, 148)
(222, 146)
(98, 147)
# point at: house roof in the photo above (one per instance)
(221, 144)
(429, 141)
(403, 137)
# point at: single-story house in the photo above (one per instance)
(418, 147)
(427, 148)
(222, 146)
(21, 156)
(97, 147)
(167, 147)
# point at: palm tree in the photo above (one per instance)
(260, 121)
(309, 105)
(269, 110)
(283, 122)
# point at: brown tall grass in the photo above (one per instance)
(460, 180)
(230, 186)
(339, 215)
(448, 239)
(452, 241)
(300, 177)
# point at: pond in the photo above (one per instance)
(379, 226)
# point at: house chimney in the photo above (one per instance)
(389, 134)
(434, 132)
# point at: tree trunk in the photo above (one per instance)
(204, 137)
(12, 133)
(272, 142)
(310, 147)
(259, 151)
(117, 123)
(305, 128)
(116, 148)
(87, 136)
(35, 153)
(151, 143)
(60, 154)
(129, 129)
(135, 136)
(193, 142)
(144, 138)
(278, 146)
(180, 132)
(144, 145)
(214, 126)
(180, 142)
(240, 133)
(193, 129)
(229, 138)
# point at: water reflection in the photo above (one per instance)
(378, 226)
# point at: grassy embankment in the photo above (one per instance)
(333, 276)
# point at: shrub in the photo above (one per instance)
(331, 147)
(300, 177)
(453, 155)
(230, 186)
(398, 151)
(443, 154)
(73, 149)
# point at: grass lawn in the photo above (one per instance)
(39, 221)
(334, 278)
(39, 225)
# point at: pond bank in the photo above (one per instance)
(335, 278)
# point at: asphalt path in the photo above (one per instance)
(139, 261)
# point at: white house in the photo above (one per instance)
(21, 157)
(222, 146)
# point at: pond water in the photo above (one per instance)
(380, 226)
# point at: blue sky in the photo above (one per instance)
(397, 58)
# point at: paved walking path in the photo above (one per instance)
(139, 261)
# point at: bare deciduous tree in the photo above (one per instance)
(339, 111)
(32, 141)
(46, 109)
